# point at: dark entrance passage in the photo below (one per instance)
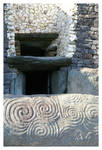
(37, 82)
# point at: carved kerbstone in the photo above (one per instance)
(42, 120)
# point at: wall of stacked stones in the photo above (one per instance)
(77, 29)
(78, 32)
(43, 18)
(86, 54)
(35, 18)
(9, 42)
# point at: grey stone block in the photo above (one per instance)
(6, 90)
(17, 85)
(8, 76)
(84, 81)
(7, 69)
(29, 63)
(59, 81)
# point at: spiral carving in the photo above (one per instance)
(42, 129)
(18, 115)
(46, 108)
(73, 115)
(91, 113)
(76, 99)
(52, 116)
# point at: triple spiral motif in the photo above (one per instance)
(46, 108)
(18, 115)
(32, 116)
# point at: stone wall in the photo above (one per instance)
(9, 20)
(6, 68)
(77, 29)
(9, 74)
(86, 54)
(44, 18)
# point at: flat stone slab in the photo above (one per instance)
(30, 63)
(51, 120)
(36, 36)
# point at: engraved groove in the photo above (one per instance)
(73, 115)
(50, 117)
(18, 115)
(76, 99)
(91, 113)
(42, 129)
(46, 108)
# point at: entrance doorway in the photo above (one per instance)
(37, 82)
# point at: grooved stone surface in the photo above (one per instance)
(51, 120)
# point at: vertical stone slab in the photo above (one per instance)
(59, 81)
(83, 81)
(18, 85)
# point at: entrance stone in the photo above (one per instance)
(18, 85)
(51, 120)
(59, 81)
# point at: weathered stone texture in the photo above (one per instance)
(51, 120)
(78, 32)
(84, 81)
(59, 81)
(86, 54)
(44, 18)
(30, 63)
(8, 73)
(9, 20)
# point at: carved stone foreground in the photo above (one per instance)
(49, 120)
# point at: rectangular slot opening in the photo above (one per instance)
(31, 51)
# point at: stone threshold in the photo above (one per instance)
(30, 63)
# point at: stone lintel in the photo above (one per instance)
(30, 63)
(36, 36)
